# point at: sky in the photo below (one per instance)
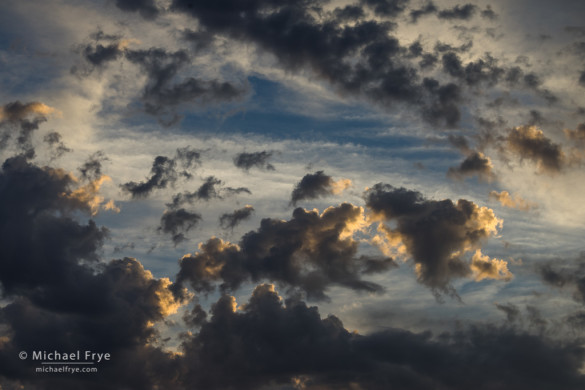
(293, 194)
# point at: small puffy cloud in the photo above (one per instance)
(162, 174)
(475, 164)
(317, 185)
(231, 220)
(177, 223)
(513, 202)
(259, 160)
(212, 188)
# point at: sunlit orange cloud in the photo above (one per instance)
(124, 43)
(485, 268)
(24, 110)
(513, 202)
(337, 187)
(167, 303)
(89, 194)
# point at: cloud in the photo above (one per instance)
(388, 8)
(146, 8)
(435, 234)
(459, 12)
(58, 295)
(476, 163)
(362, 59)
(529, 142)
(162, 174)
(256, 159)
(513, 202)
(285, 342)
(23, 119)
(485, 268)
(162, 92)
(177, 223)
(212, 188)
(309, 252)
(428, 9)
(92, 168)
(317, 185)
(231, 220)
(89, 194)
(58, 148)
(577, 135)
(566, 274)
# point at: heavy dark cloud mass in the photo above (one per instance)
(59, 296)
(309, 252)
(271, 341)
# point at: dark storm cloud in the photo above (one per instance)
(162, 174)
(177, 223)
(269, 340)
(58, 148)
(459, 12)
(255, 159)
(212, 188)
(231, 220)
(59, 296)
(436, 234)
(21, 120)
(528, 142)
(475, 164)
(310, 252)
(317, 185)
(163, 92)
